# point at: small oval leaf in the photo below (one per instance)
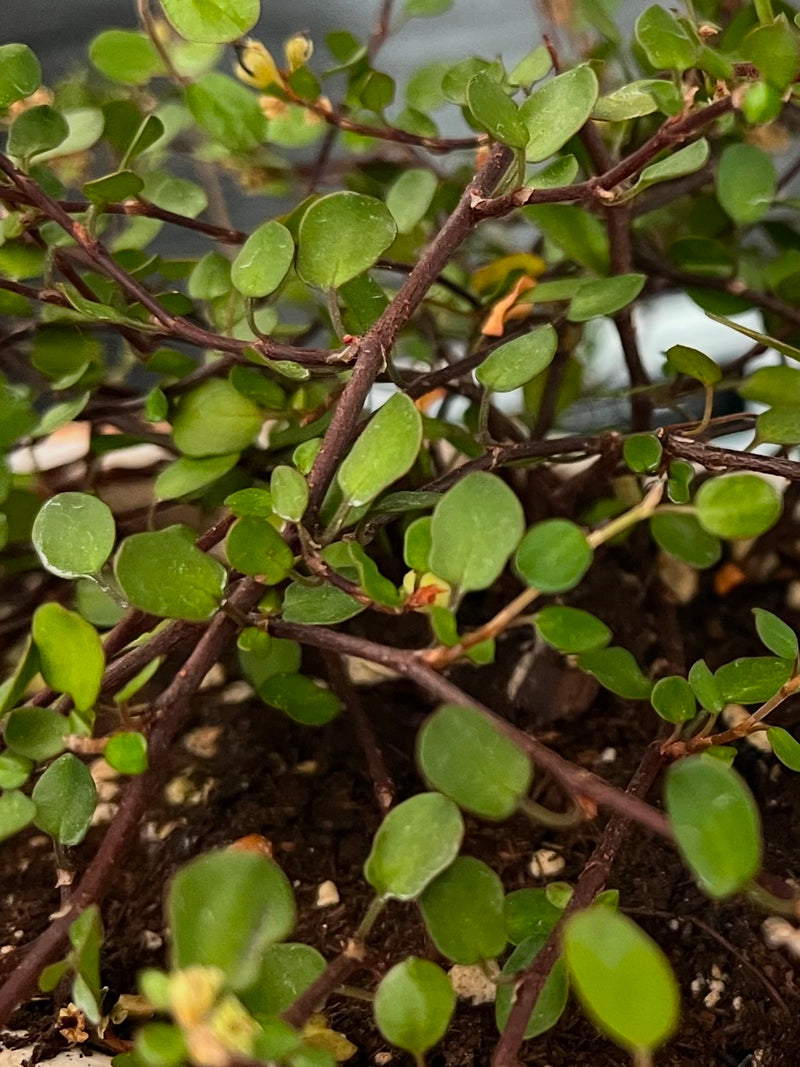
(553, 556)
(383, 453)
(342, 235)
(463, 911)
(73, 534)
(414, 1004)
(513, 364)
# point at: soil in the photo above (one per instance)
(307, 792)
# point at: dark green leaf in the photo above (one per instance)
(684, 360)
(785, 747)
(553, 998)
(495, 111)
(673, 699)
(256, 548)
(516, 362)
(705, 688)
(463, 911)
(529, 913)
(65, 799)
(36, 130)
(16, 810)
(318, 605)
(558, 110)
(642, 452)
(301, 698)
(752, 679)
(683, 537)
(617, 670)
(572, 630)
(37, 733)
(775, 634)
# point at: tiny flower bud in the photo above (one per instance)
(298, 50)
(256, 66)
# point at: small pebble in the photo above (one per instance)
(472, 983)
(327, 895)
(546, 863)
(203, 742)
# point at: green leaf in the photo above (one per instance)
(553, 556)
(36, 130)
(738, 505)
(263, 260)
(301, 698)
(289, 493)
(73, 534)
(150, 130)
(252, 383)
(622, 978)
(684, 360)
(113, 188)
(351, 561)
(673, 699)
(665, 42)
(572, 630)
(558, 110)
(495, 111)
(682, 536)
(164, 574)
(126, 56)
(772, 385)
(746, 183)
(65, 799)
(17, 417)
(210, 277)
(532, 67)
(20, 73)
(224, 909)
(261, 655)
(773, 49)
(716, 824)
(628, 102)
(252, 501)
(127, 752)
(159, 1045)
(416, 841)
(514, 363)
(37, 733)
(705, 688)
(384, 452)
(188, 475)
(475, 527)
(752, 679)
(616, 670)
(463, 911)
(642, 452)
(318, 605)
(775, 634)
(16, 810)
(463, 755)
(785, 747)
(341, 235)
(677, 164)
(212, 21)
(779, 425)
(413, 1005)
(228, 112)
(410, 196)
(15, 770)
(579, 235)
(214, 419)
(604, 296)
(70, 653)
(285, 971)
(417, 545)
(529, 913)
(754, 335)
(256, 548)
(423, 9)
(553, 998)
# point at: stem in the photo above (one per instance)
(555, 820)
(376, 906)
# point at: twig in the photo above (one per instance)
(714, 458)
(618, 222)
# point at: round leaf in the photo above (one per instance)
(383, 453)
(36, 733)
(289, 493)
(410, 196)
(716, 824)
(604, 296)
(212, 21)
(513, 364)
(127, 752)
(785, 747)
(666, 43)
(746, 182)
(70, 653)
(475, 527)
(558, 110)
(682, 536)
(642, 452)
(463, 911)
(529, 912)
(215, 419)
(224, 909)
(622, 978)
(705, 688)
(572, 630)
(684, 360)
(318, 605)
(414, 1004)
(554, 555)
(255, 547)
(779, 425)
(16, 810)
(20, 73)
(340, 236)
(737, 505)
(125, 56)
(462, 754)
(15, 770)
(264, 260)
(673, 699)
(301, 698)
(552, 999)
(73, 534)
(164, 574)
(285, 971)
(65, 799)
(37, 130)
(415, 842)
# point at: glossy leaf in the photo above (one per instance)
(677, 164)
(285, 971)
(70, 653)
(495, 111)
(215, 419)
(126, 752)
(666, 43)
(224, 909)
(553, 556)
(616, 670)
(20, 73)
(622, 978)
(263, 260)
(752, 679)
(65, 798)
(737, 505)
(256, 548)
(73, 534)
(604, 296)
(716, 824)
(775, 634)
(514, 363)
(705, 687)
(417, 840)
(529, 913)
(746, 182)
(212, 21)
(682, 536)
(16, 810)
(673, 699)
(572, 630)
(289, 493)
(463, 911)
(558, 110)
(785, 747)
(410, 196)
(383, 453)
(164, 574)
(553, 998)
(474, 529)
(301, 698)
(681, 359)
(341, 235)
(188, 475)
(36, 733)
(463, 755)
(414, 1004)
(630, 101)
(318, 605)
(642, 452)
